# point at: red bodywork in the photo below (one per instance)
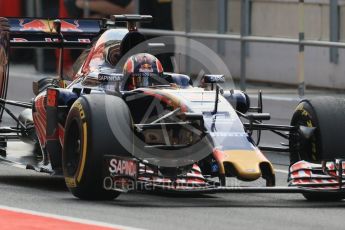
(40, 120)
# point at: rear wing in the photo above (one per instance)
(77, 33)
(36, 32)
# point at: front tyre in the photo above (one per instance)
(327, 114)
(88, 137)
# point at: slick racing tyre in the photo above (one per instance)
(327, 115)
(88, 137)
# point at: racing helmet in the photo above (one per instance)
(142, 70)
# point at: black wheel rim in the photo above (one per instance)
(304, 146)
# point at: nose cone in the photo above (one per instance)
(244, 164)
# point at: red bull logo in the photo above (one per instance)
(34, 25)
(146, 67)
(70, 27)
(47, 26)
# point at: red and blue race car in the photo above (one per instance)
(122, 123)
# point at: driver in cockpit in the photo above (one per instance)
(142, 70)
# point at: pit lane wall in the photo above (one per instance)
(273, 18)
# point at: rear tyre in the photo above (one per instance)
(4, 48)
(88, 137)
(327, 114)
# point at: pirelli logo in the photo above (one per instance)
(81, 110)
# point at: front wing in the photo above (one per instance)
(121, 177)
(328, 176)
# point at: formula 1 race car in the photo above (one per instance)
(124, 124)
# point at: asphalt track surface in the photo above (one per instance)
(42, 193)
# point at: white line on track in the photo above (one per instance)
(67, 218)
(281, 171)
